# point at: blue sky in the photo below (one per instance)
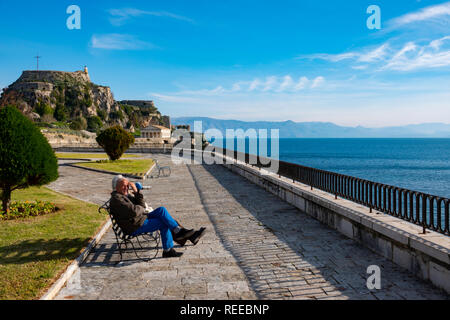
(247, 60)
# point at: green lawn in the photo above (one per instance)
(122, 166)
(90, 156)
(35, 251)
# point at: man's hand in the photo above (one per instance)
(133, 187)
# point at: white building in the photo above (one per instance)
(156, 132)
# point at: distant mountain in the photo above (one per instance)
(291, 129)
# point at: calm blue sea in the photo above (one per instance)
(416, 164)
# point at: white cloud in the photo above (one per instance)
(360, 67)
(115, 41)
(432, 12)
(367, 55)
(174, 98)
(412, 56)
(121, 16)
(278, 84)
(317, 82)
(270, 83)
(254, 85)
(374, 55)
(301, 84)
(287, 83)
(330, 57)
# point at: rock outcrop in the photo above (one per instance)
(49, 96)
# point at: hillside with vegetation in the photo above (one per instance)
(69, 100)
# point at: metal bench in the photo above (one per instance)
(161, 171)
(122, 238)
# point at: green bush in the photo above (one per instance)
(115, 141)
(94, 123)
(102, 114)
(60, 113)
(116, 115)
(26, 158)
(79, 123)
(43, 108)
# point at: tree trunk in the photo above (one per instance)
(6, 198)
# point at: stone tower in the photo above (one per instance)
(86, 70)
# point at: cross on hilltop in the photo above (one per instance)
(37, 58)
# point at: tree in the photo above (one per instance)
(26, 157)
(115, 141)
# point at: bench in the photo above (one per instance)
(161, 171)
(153, 238)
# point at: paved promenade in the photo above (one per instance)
(256, 247)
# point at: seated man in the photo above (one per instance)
(129, 212)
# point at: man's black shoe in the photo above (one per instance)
(183, 234)
(172, 254)
(181, 242)
(197, 235)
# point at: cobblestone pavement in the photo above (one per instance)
(256, 247)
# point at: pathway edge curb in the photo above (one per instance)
(75, 265)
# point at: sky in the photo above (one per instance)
(303, 60)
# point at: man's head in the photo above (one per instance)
(115, 180)
(122, 186)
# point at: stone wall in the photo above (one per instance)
(139, 103)
(52, 76)
(25, 86)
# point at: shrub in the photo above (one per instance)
(102, 114)
(115, 141)
(79, 123)
(27, 209)
(94, 123)
(43, 108)
(116, 115)
(26, 158)
(60, 113)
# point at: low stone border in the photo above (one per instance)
(74, 159)
(75, 265)
(128, 175)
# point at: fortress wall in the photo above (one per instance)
(31, 86)
(52, 76)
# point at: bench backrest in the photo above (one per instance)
(115, 226)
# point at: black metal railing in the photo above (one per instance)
(428, 211)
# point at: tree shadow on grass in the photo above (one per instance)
(42, 250)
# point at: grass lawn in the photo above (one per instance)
(89, 156)
(35, 251)
(122, 166)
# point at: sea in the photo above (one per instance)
(416, 164)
